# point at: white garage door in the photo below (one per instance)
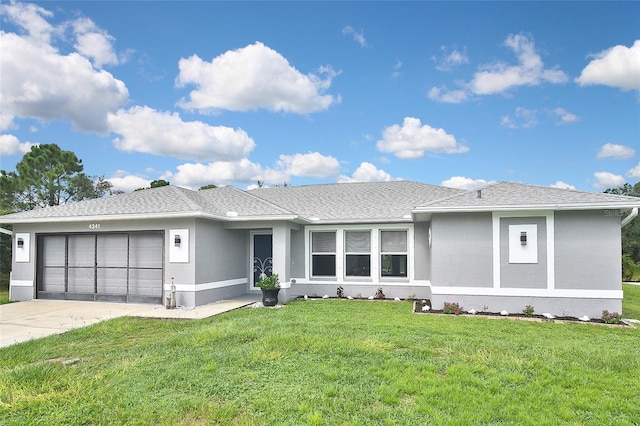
(123, 267)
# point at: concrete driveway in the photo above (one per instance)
(33, 319)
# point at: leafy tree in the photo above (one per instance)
(210, 186)
(631, 233)
(158, 183)
(48, 176)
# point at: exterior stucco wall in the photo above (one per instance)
(587, 250)
(297, 253)
(558, 306)
(23, 274)
(220, 254)
(422, 257)
(462, 250)
(402, 291)
(523, 275)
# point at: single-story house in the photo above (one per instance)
(501, 247)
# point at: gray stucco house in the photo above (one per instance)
(505, 246)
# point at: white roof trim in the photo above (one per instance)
(506, 208)
(144, 216)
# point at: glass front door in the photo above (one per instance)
(262, 252)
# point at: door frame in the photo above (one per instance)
(252, 257)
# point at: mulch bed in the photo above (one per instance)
(419, 304)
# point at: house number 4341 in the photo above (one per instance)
(94, 226)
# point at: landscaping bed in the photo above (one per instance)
(419, 308)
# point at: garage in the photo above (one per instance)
(116, 267)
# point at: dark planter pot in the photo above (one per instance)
(270, 296)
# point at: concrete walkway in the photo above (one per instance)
(34, 319)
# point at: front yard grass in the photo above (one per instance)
(325, 362)
(631, 301)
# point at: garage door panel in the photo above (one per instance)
(145, 251)
(112, 250)
(81, 280)
(53, 253)
(112, 281)
(145, 282)
(53, 279)
(82, 250)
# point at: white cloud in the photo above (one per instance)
(75, 90)
(397, 69)
(500, 77)
(442, 94)
(412, 139)
(562, 185)
(357, 36)
(195, 175)
(523, 118)
(462, 182)
(10, 145)
(618, 152)
(634, 172)
(122, 181)
(607, 180)
(144, 129)
(618, 67)
(94, 43)
(367, 172)
(31, 18)
(451, 58)
(565, 116)
(312, 164)
(253, 77)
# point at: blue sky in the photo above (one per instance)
(231, 93)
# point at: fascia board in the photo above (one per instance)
(503, 208)
(143, 216)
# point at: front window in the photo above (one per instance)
(358, 253)
(393, 253)
(323, 254)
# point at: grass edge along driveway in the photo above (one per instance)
(325, 362)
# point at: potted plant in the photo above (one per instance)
(270, 286)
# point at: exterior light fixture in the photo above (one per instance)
(20, 243)
(523, 238)
(177, 241)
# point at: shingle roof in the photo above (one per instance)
(512, 195)
(329, 203)
(162, 201)
(363, 201)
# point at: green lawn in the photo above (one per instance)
(631, 301)
(325, 362)
(4, 292)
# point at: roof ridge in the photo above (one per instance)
(448, 197)
(254, 196)
(548, 187)
(187, 200)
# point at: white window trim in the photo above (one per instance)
(375, 277)
(353, 253)
(338, 248)
(393, 253)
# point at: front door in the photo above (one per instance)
(262, 250)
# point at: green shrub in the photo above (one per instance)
(452, 308)
(611, 317)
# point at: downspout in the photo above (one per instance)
(629, 218)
